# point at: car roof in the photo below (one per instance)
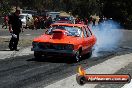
(67, 24)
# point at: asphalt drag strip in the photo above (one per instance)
(109, 66)
(126, 70)
(6, 53)
(26, 72)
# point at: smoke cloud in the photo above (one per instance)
(108, 35)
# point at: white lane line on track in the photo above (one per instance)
(107, 67)
(21, 52)
(129, 85)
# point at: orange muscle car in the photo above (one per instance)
(63, 39)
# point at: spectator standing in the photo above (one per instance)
(94, 20)
(35, 23)
(48, 22)
(5, 24)
(77, 20)
(15, 26)
(86, 21)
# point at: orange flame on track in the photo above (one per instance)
(81, 71)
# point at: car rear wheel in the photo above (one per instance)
(89, 54)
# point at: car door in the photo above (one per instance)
(91, 38)
(86, 41)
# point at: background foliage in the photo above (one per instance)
(120, 10)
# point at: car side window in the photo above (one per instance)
(84, 32)
(89, 33)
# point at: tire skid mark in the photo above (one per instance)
(34, 77)
(24, 69)
(37, 72)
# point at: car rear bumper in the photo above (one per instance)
(54, 52)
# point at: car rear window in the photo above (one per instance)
(72, 31)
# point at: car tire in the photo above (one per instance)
(89, 54)
(77, 56)
(37, 55)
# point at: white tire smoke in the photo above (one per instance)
(108, 35)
